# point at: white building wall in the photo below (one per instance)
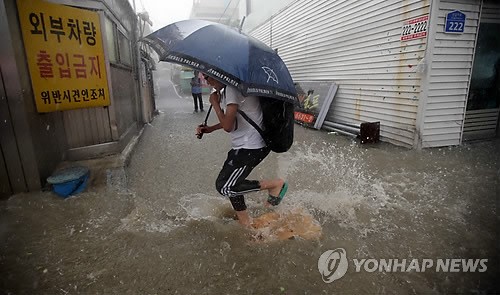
(357, 45)
(263, 33)
(449, 66)
(258, 11)
(219, 11)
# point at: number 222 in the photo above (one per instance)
(455, 26)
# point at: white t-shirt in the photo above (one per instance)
(245, 136)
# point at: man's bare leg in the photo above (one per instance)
(243, 218)
(272, 186)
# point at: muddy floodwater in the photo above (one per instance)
(158, 226)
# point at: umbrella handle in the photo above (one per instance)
(204, 123)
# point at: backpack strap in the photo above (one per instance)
(246, 117)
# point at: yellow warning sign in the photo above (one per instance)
(65, 55)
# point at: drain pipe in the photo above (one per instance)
(341, 128)
(338, 131)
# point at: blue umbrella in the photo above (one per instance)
(227, 55)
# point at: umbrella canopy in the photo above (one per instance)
(226, 55)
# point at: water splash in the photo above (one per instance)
(331, 181)
(206, 207)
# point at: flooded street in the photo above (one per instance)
(160, 227)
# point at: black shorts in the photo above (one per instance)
(232, 181)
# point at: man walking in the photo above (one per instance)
(248, 149)
(196, 92)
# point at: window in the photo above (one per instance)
(110, 40)
(124, 49)
(117, 44)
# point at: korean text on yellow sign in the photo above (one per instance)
(65, 56)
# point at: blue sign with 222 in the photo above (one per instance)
(455, 22)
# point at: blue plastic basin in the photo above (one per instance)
(69, 181)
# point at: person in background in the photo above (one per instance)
(196, 92)
(248, 149)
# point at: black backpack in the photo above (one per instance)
(278, 123)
